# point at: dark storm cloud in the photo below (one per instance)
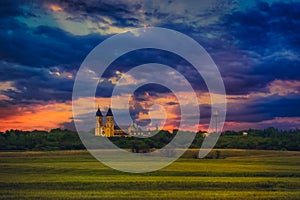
(272, 31)
(104, 89)
(43, 46)
(38, 46)
(30, 54)
(256, 110)
(34, 84)
(265, 108)
(152, 89)
(279, 106)
(245, 84)
(267, 27)
(257, 46)
(252, 48)
(122, 13)
(279, 67)
(14, 8)
(139, 57)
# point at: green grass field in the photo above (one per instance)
(240, 174)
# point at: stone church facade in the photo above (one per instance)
(107, 129)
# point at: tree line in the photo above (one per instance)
(58, 139)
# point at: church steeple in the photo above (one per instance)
(109, 131)
(106, 130)
(99, 113)
(99, 123)
(109, 112)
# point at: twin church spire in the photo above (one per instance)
(107, 129)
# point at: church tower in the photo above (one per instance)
(99, 123)
(110, 127)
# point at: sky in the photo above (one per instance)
(255, 45)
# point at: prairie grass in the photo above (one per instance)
(236, 174)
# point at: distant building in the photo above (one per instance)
(107, 130)
(111, 130)
(245, 133)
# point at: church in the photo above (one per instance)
(106, 130)
(109, 129)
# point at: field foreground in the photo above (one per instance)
(237, 174)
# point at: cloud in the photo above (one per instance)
(102, 17)
(256, 46)
(7, 85)
(29, 84)
(284, 88)
(14, 8)
(31, 117)
(272, 26)
(43, 46)
(263, 108)
(283, 123)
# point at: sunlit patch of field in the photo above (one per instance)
(236, 174)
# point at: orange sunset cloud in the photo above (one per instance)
(42, 117)
(55, 7)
